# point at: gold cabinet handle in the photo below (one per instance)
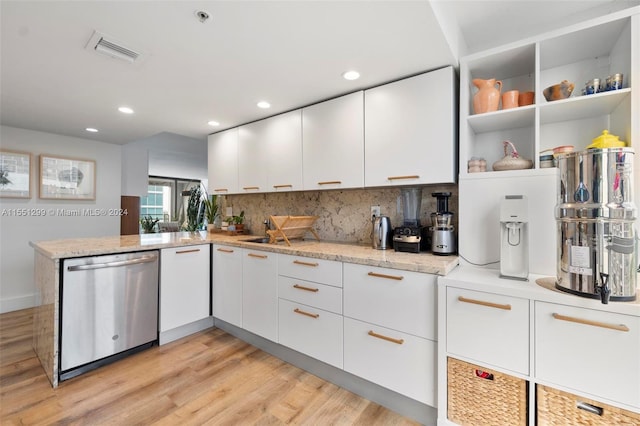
(483, 303)
(288, 185)
(387, 338)
(259, 256)
(390, 277)
(618, 327)
(300, 262)
(251, 188)
(225, 250)
(403, 177)
(298, 311)
(330, 182)
(188, 251)
(221, 190)
(301, 287)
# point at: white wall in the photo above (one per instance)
(172, 155)
(17, 288)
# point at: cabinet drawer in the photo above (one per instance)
(310, 269)
(398, 361)
(488, 328)
(401, 300)
(590, 351)
(312, 331)
(312, 294)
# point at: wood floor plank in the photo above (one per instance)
(209, 377)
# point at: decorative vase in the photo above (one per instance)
(510, 99)
(487, 97)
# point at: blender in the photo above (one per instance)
(407, 238)
(443, 240)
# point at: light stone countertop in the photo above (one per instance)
(343, 252)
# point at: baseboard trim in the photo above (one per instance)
(184, 330)
(11, 304)
(392, 400)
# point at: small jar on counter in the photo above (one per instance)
(547, 161)
(476, 165)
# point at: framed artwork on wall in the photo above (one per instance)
(15, 174)
(67, 178)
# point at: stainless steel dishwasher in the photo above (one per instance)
(109, 309)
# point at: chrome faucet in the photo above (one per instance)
(267, 226)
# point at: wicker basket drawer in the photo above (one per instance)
(557, 408)
(477, 396)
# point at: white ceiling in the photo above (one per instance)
(291, 53)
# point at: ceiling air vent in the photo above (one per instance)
(108, 46)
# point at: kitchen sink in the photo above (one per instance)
(261, 240)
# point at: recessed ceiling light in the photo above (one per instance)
(125, 110)
(91, 129)
(264, 104)
(351, 75)
(213, 123)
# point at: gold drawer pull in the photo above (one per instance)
(301, 287)
(483, 303)
(298, 311)
(403, 177)
(225, 250)
(288, 185)
(220, 190)
(391, 277)
(188, 251)
(300, 262)
(251, 188)
(259, 256)
(330, 182)
(387, 338)
(619, 327)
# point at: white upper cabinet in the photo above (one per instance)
(410, 131)
(223, 162)
(333, 143)
(270, 154)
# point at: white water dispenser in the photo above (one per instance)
(514, 237)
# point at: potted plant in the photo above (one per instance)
(148, 224)
(211, 211)
(238, 221)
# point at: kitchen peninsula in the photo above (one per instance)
(49, 256)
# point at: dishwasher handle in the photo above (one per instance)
(143, 259)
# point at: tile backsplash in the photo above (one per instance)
(343, 215)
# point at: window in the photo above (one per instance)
(164, 199)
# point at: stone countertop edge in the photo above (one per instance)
(328, 250)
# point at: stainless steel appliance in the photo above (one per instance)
(381, 233)
(443, 239)
(514, 237)
(109, 309)
(408, 237)
(595, 215)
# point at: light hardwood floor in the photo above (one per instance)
(208, 378)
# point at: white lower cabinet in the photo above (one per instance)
(398, 361)
(184, 285)
(488, 328)
(226, 264)
(312, 331)
(260, 293)
(310, 293)
(589, 351)
(401, 300)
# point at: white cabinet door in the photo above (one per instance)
(312, 331)
(488, 328)
(184, 285)
(309, 293)
(410, 135)
(589, 351)
(398, 361)
(333, 143)
(253, 157)
(226, 265)
(260, 293)
(283, 136)
(401, 300)
(223, 162)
